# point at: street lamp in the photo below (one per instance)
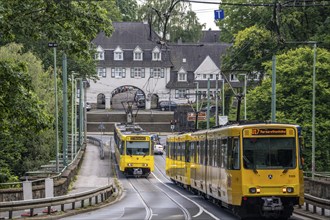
(313, 112)
(196, 112)
(54, 45)
(245, 82)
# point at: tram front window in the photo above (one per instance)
(137, 148)
(269, 153)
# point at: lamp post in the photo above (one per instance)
(196, 112)
(216, 101)
(54, 45)
(223, 97)
(245, 83)
(313, 113)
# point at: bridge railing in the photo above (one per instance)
(102, 193)
(98, 143)
(316, 202)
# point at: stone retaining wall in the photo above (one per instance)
(318, 188)
(61, 185)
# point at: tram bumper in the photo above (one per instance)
(272, 204)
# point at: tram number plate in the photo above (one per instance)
(137, 171)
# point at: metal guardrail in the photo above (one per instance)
(99, 143)
(316, 203)
(318, 175)
(103, 192)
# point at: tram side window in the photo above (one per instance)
(167, 151)
(192, 152)
(210, 153)
(171, 149)
(202, 152)
(121, 147)
(218, 158)
(187, 152)
(215, 153)
(180, 152)
(175, 151)
(198, 151)
(233, 154)
(224, 147)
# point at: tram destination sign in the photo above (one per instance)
(137, 138)
(273, 131)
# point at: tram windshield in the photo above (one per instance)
(137, 148)
(269, 153)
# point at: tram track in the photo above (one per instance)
(200, 208)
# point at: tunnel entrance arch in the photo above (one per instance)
(129, 93)
(100, 104)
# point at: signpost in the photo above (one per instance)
(191, 116)
(219, 14)
(54, 45)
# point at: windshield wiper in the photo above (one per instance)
(285, 170)
(249, 163)
(255, 169)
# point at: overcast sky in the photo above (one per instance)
(205, 13)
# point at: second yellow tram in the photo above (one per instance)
(133, 150)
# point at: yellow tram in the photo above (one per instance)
(252, 169)
(133, 150)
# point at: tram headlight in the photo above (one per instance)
(288, 190)
(145, 164)
(254, 190)
(129, 164)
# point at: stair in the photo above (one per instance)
(150, 120)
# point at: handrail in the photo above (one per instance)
(105, 192)
(100, 144)
(316, 202)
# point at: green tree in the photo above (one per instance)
(294, 98)
(128, 9)
(172, 17)
(25, 117)
(72, 24)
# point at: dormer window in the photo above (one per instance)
(118, 54)
(233, 77)
(137, 54)
(99, 55)
(156, 54)
(182, 75)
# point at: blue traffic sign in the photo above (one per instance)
(219, 14)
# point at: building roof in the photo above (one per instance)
(128, 36)
(190, 56)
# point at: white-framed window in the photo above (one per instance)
(157, 72)
(182, 75)
(118, 72)
(118, 54)
(137, 72)
(156, 54)
(233, 77)
(180, 93)
(101, 72)
(137, 54)
(99, 55)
